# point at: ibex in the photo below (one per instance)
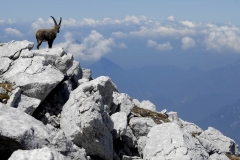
(48, 35)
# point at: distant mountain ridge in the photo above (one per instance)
(226, 119)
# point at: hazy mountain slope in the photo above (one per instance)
(226, 119)
(194, 94)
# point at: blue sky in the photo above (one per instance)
(133, 33)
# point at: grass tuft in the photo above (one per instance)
(4, 97)
(157, 117)
(232, 157)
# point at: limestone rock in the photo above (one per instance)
(141, 126)
(121, 103)
(191, 128)
(20, 131)
(82, 117)
(214, 141)
(130, 158)
(50, 53)
(75, 73)
(37, 154)
(120, 124)
(64, 145)
(169, 141)
(129, 138)
(136, 102)
(146, 104)
(141, 141)
(4, 64)
(13, 49)
(35, 79)
(16, 93)
(87, 74)
(28, 104)
(216, 156)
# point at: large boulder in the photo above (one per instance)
(141, 126)
(37, 154)
(21, 131)
(85, 120)
(215, 142)
(33, 77)
(4, 64)
(13, 49)
(120, 124)
(146, 104)
(169, 141)
(122, 102)
(43, 78)
(189, 127)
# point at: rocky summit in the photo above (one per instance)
(51, 108)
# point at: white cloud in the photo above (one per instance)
(128, 20)
(9, 21)
(220, 38)
(213, 36)
(188, 24)
(171, 18)
(92, 47)
(157, 31)
(164, 46)
(187, 43)
(40, 23)
(135, 19)
(151, 43)
(160, 47)
(121, 45)
(119, 34)
(13, 32)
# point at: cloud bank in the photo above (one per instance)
(160, 47)
(92, 47)
(100, 37)
(13, 32)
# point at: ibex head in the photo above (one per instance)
(57, 26)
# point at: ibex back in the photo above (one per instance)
(48, 35)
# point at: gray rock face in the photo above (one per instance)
(168, 141)
(146, 104)
(37, 73)
(4, 64)
(129, 138)
(35, 79)
(20, 131)
(214, 141)
(28, 104)
(141, 126)
(122, 103)
(37, 154)
(216, 156)
(82, 117)
(13, 49)
(87, 74)
(120, 124)
(191, 128)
